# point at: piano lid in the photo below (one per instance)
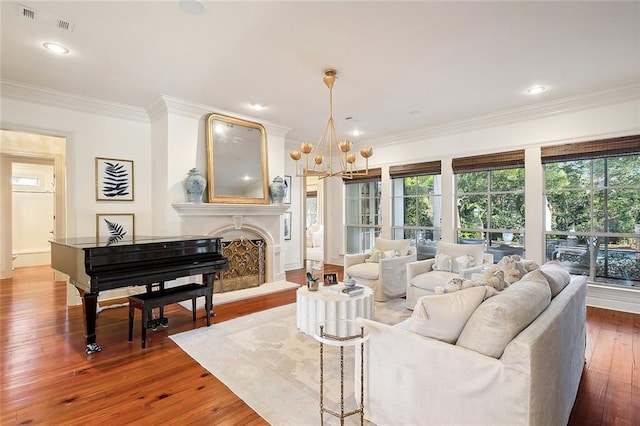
(93, 242)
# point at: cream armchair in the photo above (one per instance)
(451, 260)
(384, 269)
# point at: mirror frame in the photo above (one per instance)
(213, 198)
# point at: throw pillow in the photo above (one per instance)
(502, 317)
(557, 276)
(443, 262)
(456, 250)
(389, 254)
(463, 262)
(443, 317)
(375, 256)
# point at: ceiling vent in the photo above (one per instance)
(51, 21)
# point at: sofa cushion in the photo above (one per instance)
(502, 317)
(557, 276)
(443, 317)
(463, 262)
(456, 250)
(431, 280)
(368, 271)
(400, 246)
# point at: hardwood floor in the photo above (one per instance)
(48, 379)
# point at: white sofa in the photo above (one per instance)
(422, 278)
(387, 274)
(411, 379)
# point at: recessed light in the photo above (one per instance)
(257, 106)
(55, 47)
(536, 90)
(355, 132)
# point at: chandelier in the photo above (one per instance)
(322, 156)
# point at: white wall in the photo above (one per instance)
(90, 135)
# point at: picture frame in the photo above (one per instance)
(330, 279)
(114, 179)
(115, 227)
(286, 226)
(287, 190)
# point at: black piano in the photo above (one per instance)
(95, 265)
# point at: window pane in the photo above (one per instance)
(570, 174)
(623, 171)
(472, 182)
(507, 180)
(507, 211)
(569, 210)
(472, 211)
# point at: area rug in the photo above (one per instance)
(273, 367)
(247, 293)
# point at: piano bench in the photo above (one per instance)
(146, 302)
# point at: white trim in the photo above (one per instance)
(559, 106)
(43, 96)
(615, 298)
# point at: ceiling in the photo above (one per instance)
(402, 66)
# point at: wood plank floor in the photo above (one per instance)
(48, 379)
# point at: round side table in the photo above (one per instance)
(314, 307)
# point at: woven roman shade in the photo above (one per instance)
(497, 161)
(373, 174)
(612, 147)
(416, 169)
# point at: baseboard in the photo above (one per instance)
(617, 299)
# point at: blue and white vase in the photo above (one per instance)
(277, 190)
(195, 184)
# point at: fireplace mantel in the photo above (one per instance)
(212, 209)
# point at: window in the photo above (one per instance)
(490, 201)
(416, 192)
(592, 217)
(363, 212)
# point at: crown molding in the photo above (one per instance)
(49, 97)
(170, 105)
(556, 107)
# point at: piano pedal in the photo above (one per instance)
(92, 348)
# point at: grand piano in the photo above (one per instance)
(97, 265)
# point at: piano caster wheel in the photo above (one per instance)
(93, 348)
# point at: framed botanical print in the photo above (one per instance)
(114, 179)
(114, 227)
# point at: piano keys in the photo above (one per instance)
(98, 265)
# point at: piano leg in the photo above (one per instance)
(209, 279)
(90, 303)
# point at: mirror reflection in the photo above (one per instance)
(236, 160)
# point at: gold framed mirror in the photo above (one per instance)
(236, 160)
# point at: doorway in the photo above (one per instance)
(31, 150)
(314, 222)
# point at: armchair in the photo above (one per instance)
(384, 269)
(452, 260)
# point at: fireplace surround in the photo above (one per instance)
(247, 220)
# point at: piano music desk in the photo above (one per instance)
(147, 302)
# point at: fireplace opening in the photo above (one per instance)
(246, 265)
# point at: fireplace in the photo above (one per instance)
(246, 265)
(231, 221)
